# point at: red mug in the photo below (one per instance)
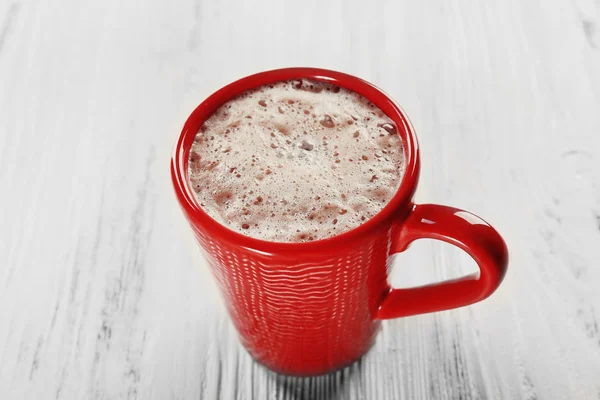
(310, 308)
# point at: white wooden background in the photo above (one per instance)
(103, 293)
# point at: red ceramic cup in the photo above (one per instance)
(310, 308)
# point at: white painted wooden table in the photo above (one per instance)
(103, 292)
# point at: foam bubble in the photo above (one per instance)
(296, 161)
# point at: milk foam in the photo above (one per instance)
(296, 161)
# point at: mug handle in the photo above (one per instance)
(457, 227)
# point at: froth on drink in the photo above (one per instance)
(296, 161)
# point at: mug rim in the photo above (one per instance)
(401, 200)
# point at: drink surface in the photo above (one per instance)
(296, 161)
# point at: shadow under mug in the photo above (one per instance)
(310, 308)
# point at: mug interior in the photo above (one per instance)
(400, 201)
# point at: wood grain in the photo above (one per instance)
(103, 293)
